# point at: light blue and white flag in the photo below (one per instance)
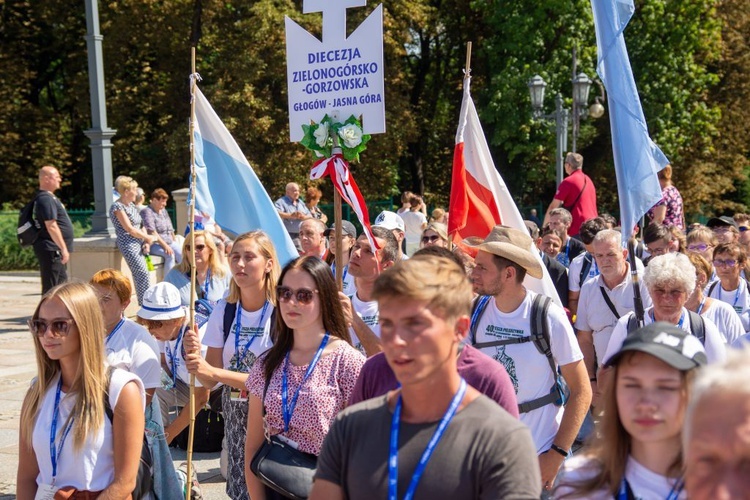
(227, 188)
(637, 158)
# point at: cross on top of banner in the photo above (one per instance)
(334, 16)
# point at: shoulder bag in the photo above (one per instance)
(281, 467)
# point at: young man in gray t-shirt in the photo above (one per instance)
(476, 449)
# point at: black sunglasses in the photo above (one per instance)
(60, 327)
(428, 239)
(198, 248)
(303, 295)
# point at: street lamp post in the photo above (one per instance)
(581, 87)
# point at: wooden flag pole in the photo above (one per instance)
(193, 293)
(467, 73)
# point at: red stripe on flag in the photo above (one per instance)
(473, 211)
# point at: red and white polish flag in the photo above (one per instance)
(480, 199)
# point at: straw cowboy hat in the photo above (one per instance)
(514, 245)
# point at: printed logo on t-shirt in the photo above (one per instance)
(503, 333)
(509, 364)
(247, 361)
(370, 320)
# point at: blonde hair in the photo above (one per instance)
(123, 183)
(702, 234)
(438, 280)
(268, 251)
(441, 230)
(214, 265)
(90, 380)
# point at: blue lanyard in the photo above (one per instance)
(674, 493)
(346, 271)
(56, 452)
(238, 327)
(736, 295)
(206, 284)
(286, 407)
(679, 325)
(393, 458)
(700, 306)
(173, 361)
(114, 330)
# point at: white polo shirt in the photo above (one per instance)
(594, 314)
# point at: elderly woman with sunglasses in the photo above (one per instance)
(67, 441)
(212, 278)
(729, 261)
(237, 332)
(306, 378)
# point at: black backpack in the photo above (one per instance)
(588, 260)
(28, 226)
(697, 326)
(144, 480)
(559, 392)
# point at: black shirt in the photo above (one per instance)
(48, 207)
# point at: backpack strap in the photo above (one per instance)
(697, 326)
(107, 406)
(229, 311)
(585, 268)
(477, 309)
(632, 324)
(540, 337)
(712, 287)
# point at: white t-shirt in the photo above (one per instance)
(738, 299)
(714, 344)
(726, 320)
(529, 370)
(574, 272)
(742, 342)
(369, 313)
(644, 484)
(349, 287)
(133, 349)
(255, 328)
(92, 467)
(594, 314)
(413, 223)
(174, 355)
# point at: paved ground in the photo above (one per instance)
(19, 295)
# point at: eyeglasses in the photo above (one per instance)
(699, 247)
(721, 229)
(430, 239)
(725, 263)
(303, 295)
(198, 248)
(662, 292)
(742, 229)
(60, 327)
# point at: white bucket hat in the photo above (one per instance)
(162, 302)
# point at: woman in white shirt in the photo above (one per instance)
(232, 351)
(637, 451)
(67, 441)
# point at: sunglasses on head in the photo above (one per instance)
(303, 295)
(430, 239)
(60, 327)
(198, 248)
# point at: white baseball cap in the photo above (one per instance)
(389, 220)
(162, 302)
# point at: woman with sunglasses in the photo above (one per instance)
(729, 261)
(637, 449)
(720, 313)
(436, 233)
(67, 442)
(311, 368)
(237, 332)
(211, 276)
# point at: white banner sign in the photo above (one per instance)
(339, 76)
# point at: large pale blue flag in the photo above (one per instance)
(637, 158)
(227, 187)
